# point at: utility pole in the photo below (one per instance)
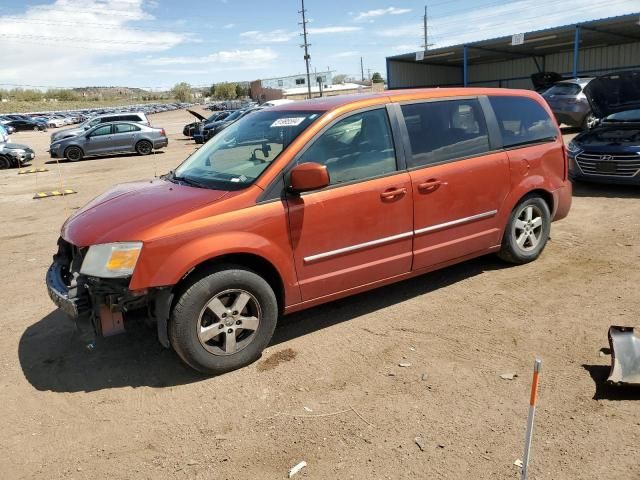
(361, 69)
(426, 30)
(306, 46)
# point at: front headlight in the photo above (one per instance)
(111, 260)
(573, 148)
(17, 153)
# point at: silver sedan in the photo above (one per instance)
(110, 138)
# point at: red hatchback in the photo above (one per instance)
(297, 205)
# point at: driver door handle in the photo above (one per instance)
(392, 193)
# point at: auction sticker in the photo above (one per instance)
(288, 122)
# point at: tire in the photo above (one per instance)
(144, 147)
(523, 241)
(73, 154)
(5, 163)
(193, 320)
(36, 128)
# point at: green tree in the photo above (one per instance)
(226, 91)
(212, 90)
(340, 78)
(240, 91)
(377, 78)
(181, 91)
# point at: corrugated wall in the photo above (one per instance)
(407, 75)
(516, 73)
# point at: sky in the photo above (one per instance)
(157, 43)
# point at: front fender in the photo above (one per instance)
(165, 262)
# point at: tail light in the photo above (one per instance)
(565, 156)
(162, 132)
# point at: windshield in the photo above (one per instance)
(238, 155)
(626, 116)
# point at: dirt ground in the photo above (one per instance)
(329, 389)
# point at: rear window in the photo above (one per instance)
(523, 121)
(564, 89)
(131, 118)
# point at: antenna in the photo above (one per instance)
(306, 46)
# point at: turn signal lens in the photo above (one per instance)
(123, 259)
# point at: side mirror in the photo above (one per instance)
(307, 177)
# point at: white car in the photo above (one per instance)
(54, 122)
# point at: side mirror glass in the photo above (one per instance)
(307, 177)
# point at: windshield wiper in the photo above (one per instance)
(187, 181)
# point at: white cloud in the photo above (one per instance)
(282, 36)
(75, 42)
(323, 30)
(274, 36)
(229, 25)
(380, 12)
(352, 53)
(235, 57)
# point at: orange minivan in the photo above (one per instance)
(307, 202)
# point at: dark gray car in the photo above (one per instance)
(569, 103)
(110, 138)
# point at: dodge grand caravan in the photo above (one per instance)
(307, 202)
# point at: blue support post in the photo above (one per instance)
(576, 52)
(465, 71)
(389, 84)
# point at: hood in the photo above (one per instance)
(15, 146)
(613, 93)
(66, 133)
(136, 211)
(197, 115)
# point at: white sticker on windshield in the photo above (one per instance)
(288, 122)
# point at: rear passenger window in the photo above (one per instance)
(126, 127)
(445, 130)
(356, 148)
(522, 121)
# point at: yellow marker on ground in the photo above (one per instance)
(54, 193)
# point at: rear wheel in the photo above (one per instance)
(73, 154)
(527, 232)
(223, 320)
(144, 147)
(4, 163)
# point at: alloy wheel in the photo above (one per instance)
(228, 322)
(527, 229)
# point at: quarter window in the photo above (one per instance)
(445, 130)
(126, 127)
(131, 118)
(105, 130)
(522, 121)
(355, 148)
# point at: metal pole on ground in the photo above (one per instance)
(465, 68)
(576, 51)
(532, 413)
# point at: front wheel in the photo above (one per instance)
(527, 232)
(4, 163)
(73, 154)
(223, 320)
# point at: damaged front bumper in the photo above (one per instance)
(102, 303)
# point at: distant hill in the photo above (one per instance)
(110, 92)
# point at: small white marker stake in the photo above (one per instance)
(532, 413)
(297, 468)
